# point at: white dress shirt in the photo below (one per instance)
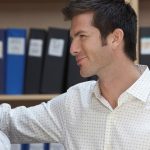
(4, 142)
(81, 119)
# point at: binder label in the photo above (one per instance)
(39, 146)
(1, 49)
(56, 47)
(16, 46)
(145, 45)
(35, 47)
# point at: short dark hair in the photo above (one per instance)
(108, 15)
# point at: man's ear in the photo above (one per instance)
(117, 37)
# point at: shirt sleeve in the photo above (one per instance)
(4, 142)
(40, 123)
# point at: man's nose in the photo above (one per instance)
(74, 47)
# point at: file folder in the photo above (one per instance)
(55, 61)
(34, 61)
(73, 73)
(145, 46)
(15, 64)
(37, 146)
(46, 146)
(2, 61)
(15, 146)
(56, 146)
(25, 147)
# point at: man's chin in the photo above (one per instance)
(85, 75)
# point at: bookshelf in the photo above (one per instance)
(28, 14)
(37, 14)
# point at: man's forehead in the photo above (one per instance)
(81, 23)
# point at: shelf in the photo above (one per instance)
(26, 100)
(33, 97)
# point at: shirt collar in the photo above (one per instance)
(96, 90)
(140, 89)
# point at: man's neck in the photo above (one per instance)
(114, 82)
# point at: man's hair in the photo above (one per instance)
(108, 15)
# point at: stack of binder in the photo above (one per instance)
(39, 146)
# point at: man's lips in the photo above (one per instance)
(79, 60)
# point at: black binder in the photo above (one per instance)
(73, 73)
(55, 61)
(36, 48)
(144, 57)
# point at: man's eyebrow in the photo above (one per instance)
(77, 33)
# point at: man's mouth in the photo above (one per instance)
(80, 59)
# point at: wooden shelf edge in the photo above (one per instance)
(27, 97)
(32, 1)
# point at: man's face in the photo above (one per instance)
(87, 47)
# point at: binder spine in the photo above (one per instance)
(55, 61)
(2, 61)
(25, 147)
(34, 64)
(15, 64)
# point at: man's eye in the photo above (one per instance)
(82, 36)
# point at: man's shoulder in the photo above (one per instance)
(75, 95)
(81, 91)
(83, 87)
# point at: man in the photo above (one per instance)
(110, 114)
(4, 142)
